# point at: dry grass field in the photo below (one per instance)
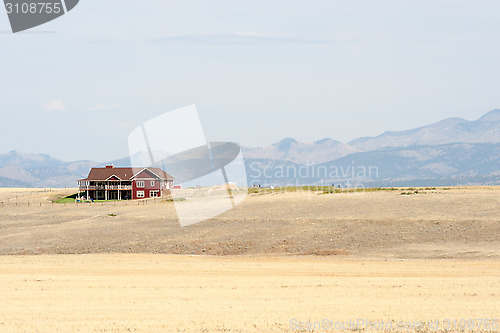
(275, 263)
(174, 293)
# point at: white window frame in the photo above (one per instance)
(140, 194)
(156, 192)
(140, 183)
(152, 183)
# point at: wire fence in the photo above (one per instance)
(29, 199)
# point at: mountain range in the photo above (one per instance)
(452, 130)
(453, 151)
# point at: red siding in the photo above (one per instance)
(147, 186)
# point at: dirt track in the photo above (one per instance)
(454, 223)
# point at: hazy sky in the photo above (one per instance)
(258, 71)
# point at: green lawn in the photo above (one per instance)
(63, 200)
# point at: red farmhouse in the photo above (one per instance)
(110, 183)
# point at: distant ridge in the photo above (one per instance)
(290, 150)
(451, 130)
(453, 151)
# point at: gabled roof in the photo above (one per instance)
(155, 172)
(102, 174)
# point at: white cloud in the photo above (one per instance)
(54, 105)
(105, 107)
(248, 33)
(239, 37)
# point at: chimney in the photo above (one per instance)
(109, 166)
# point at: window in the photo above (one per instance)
(140, 183)
(152, 183)
(140, 194)
(153, 194)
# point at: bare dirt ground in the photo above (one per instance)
(179, 293)
(442, 223)
(287, 262)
